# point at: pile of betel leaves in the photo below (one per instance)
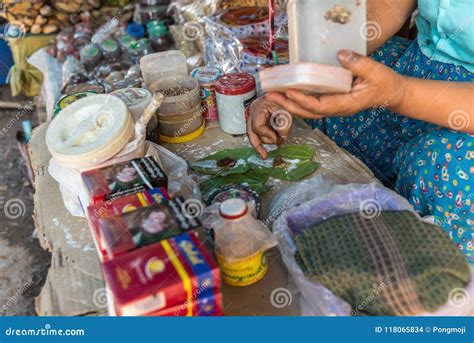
(243, 166)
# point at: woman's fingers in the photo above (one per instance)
(326, 105)
(255, 141)
(291, 106)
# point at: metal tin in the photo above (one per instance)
(207, 77)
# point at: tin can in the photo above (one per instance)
(66, 100)
(235, 93)
(207, 77)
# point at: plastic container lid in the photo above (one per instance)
(136, 99)
(233, 209)
(90, 131)
(136, 30)
(126, 41)
(206, 75)
(173, 105)
(162, 65)
(66, 100)
(109, 45)
(310, 78)
(235, 84)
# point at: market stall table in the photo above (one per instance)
(75, 285)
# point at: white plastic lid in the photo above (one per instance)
(233, 209)
(310, 78)
(90, 131)
(136, 99)
(162, 65)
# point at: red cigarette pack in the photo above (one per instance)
(118, 206)
(145, 226)
(165, 275)
(123, 179)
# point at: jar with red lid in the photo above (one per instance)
(235, 93)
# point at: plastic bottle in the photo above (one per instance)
(241, 242)
(159, 36)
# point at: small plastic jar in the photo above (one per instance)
(90, 56)
(110, 49)
(207, 77)
(181, 93)
(235, 93)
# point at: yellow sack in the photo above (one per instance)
(23, 76)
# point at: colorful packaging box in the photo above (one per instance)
(145, 226)
(123, 179)
(207, 307)
(119, 206)
(163, 277)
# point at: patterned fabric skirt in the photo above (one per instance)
(432, 167)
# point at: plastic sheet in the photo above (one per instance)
(52, 76)
(313, 201)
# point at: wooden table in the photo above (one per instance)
(75, 285)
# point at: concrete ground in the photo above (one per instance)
(23, 263)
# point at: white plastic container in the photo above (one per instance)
(317, 31)
(315, 36)
(90, 131)
(163, 65)
(309, 78)
(235, 93)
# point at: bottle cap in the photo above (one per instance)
(233, 209)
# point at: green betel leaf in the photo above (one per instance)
(301, 152)
(255, 181)
(225, 162)
(294, 163)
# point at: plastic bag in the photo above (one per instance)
(52, 77)
(243, 48)
(313, 201)
(179, 182)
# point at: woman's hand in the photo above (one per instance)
(268, 123)
(375, 85)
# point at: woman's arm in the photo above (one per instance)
(448, 104)
(390, 16)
